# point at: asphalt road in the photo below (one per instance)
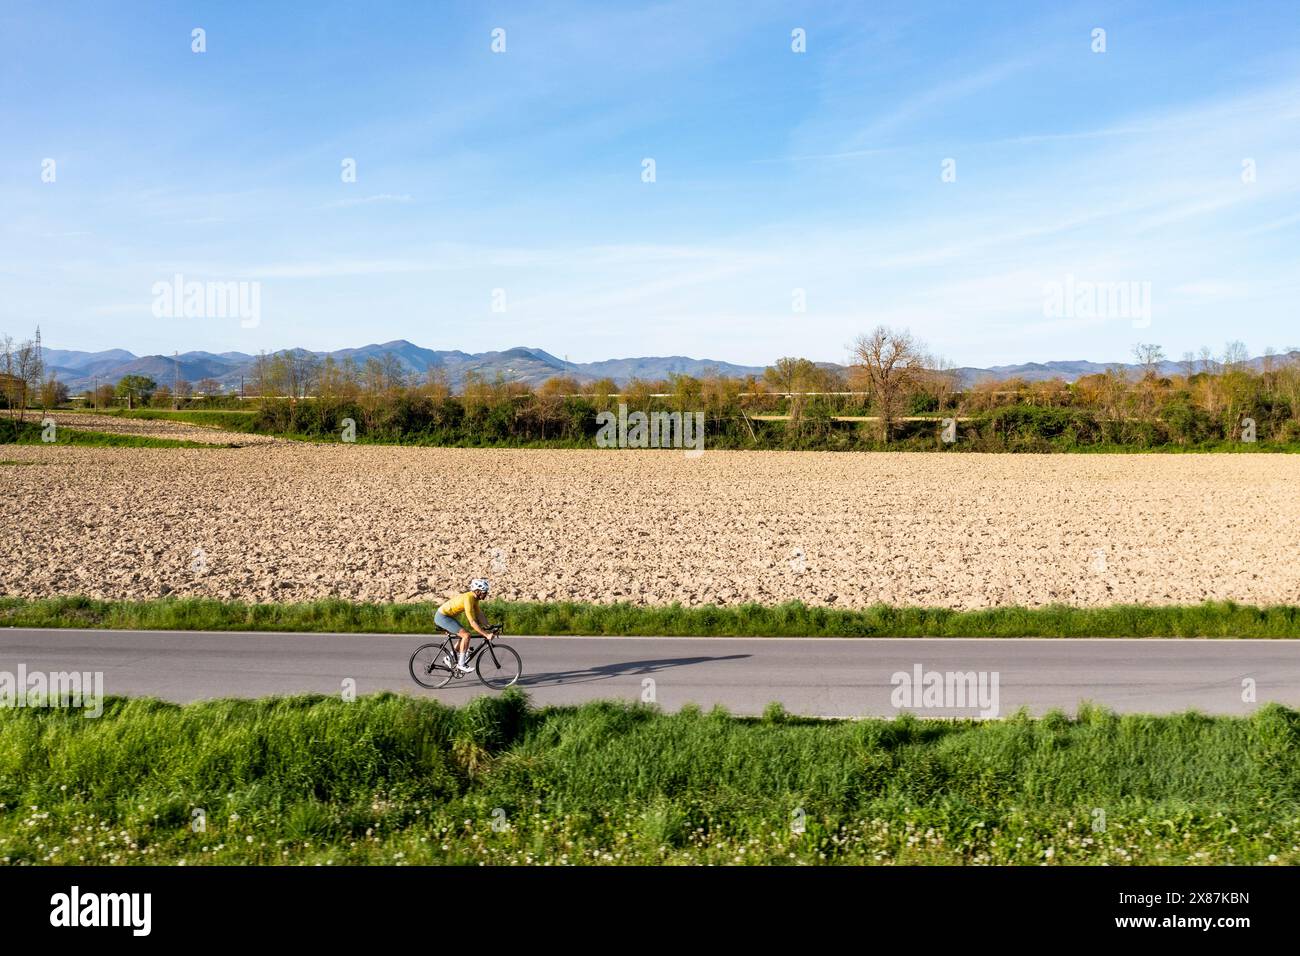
(811, 676)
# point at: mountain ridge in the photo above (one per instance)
(81, 370)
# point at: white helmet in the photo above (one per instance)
(479, 584)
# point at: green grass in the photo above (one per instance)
(394, 779)
(228, 419)
(1212, 619)
(30, 434)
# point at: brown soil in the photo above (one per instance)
(293, 522)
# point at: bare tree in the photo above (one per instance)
(939, 379)
(1115, 396)
(1234, 386)
(380, 382)
(718, 392)
(603, 392)
(337, 382)
(549, 404)
(636, 393)
(394, 373)
(22, 371)
(1234, 356)
(7, 378)
(262, 375)
(301, 372)
(1270, 360)
(103, 396)
(209, 387)
(1207, 360)
(890, 363)
(1288, 386)
(1149, 357)
(437, 384)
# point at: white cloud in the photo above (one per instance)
(367, 200)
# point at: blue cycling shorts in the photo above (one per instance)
(447, 623)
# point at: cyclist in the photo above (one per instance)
(467, 603)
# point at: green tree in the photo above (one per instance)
(53, 393)
(792, 377)
(135, 388)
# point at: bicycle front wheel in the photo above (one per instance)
(498, 666)
(428, 668)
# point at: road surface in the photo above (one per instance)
(812, 676)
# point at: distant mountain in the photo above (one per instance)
(622, 370)
(517, 365)
(1072, 371)
(82, 370)
(76, 360)
(412, 357)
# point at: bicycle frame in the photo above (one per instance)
(449, 646)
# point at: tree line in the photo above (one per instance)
(896, 389)
(891, 380)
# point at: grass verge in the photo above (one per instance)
(1212, 619)
(230, 420)
(394, 779)
(30, 434)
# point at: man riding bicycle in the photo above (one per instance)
(467, 604)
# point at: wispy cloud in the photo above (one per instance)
(920, 105)
(367, 200)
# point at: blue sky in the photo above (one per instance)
(774, 171)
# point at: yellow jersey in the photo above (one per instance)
(466, 603)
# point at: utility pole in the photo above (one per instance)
(40, 365)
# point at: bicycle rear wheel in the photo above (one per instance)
(498, 666)
(427, 667)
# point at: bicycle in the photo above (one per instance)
(433, 665)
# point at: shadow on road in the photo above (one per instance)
(620, 669)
